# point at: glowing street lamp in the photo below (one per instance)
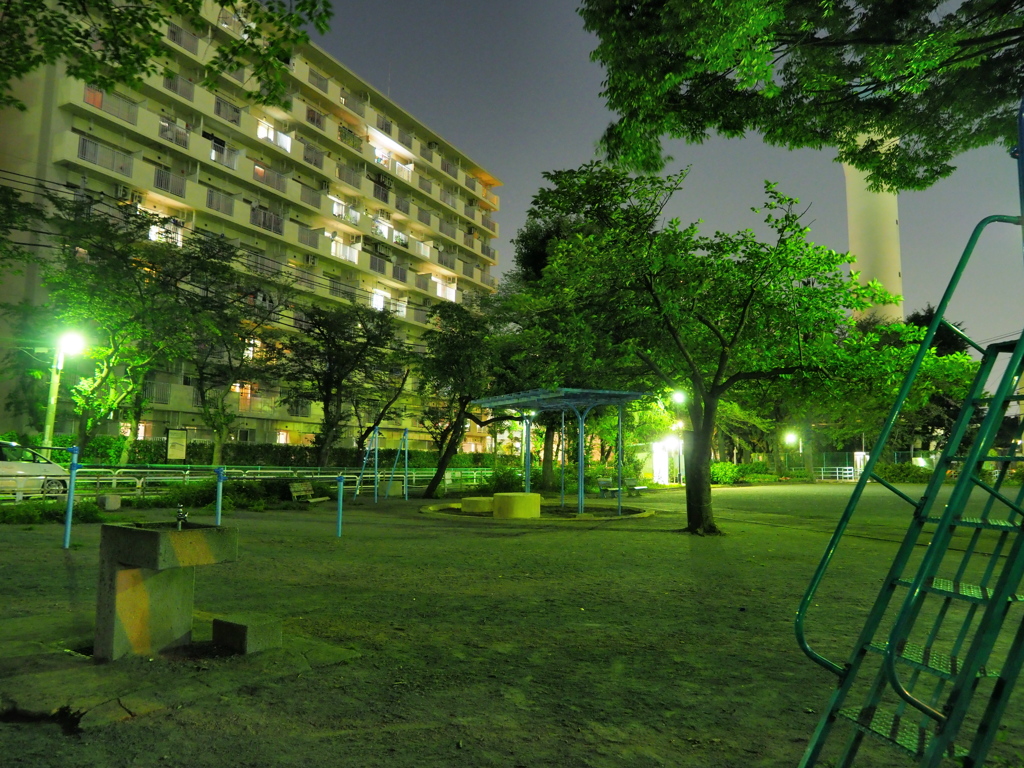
(679, 397)
(70, 343)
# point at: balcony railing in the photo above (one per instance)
(446, 260)
(174, 133)
(400, 238)
(179, 85)
(423, 282)
(345, 252)
(218, 201)
(404, 138)
(169, 182)
(470, 211)
(350, 176)
(269, 133)
(468, 240)
(352, 103)
(267, 220)
(381, 193)
(104, 156)
(305, 281)
(449, 167)
(447, 228)
(488, 280)
(227, 111)
(310, 237)
(448, 198)
(426, 153)
(489, 252)
(316, 118)
(400, 274)
(379, 265)
(423, 215)
(467, 269)
(384, 125)
(183, 38)
(404, 172)
(421, 249)
(402, 204)
(270, 177)
(309, 196)
(231, 22)
(346, 212)
(350, 138)
(318, 80)
(223, 155)
(470, 183)
(419, 314)
(425, 184)
(488, 222)
(339, 288)
(312, 155)
(237, 74)
(112, 104)
(158, 392)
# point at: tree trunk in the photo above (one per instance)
(219, 438)
(451, 447)
(547, 474)
(809, 453)
(777, 466)
(699, 513)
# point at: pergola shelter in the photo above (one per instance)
(579, 401)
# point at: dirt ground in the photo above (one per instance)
(428, 641)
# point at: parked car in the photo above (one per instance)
(23, 470)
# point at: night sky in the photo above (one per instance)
(511, 84)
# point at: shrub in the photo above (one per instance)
(48, 511)
(753, 468)
(724, 472)
(766, 477)
(903, 473)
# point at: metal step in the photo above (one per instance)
(968, 592)
(938, 664)
(977, 522)
(904, 732)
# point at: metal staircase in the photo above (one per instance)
(940, 651)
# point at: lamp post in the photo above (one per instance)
(679, 398)
(70, 343)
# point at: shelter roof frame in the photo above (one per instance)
(580, 402)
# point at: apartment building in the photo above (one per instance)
(344, 194)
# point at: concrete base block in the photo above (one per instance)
(516, 505)
(477, 504)
(108, 501)
(247, 633)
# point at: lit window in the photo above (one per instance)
(380, 299)
(282, 437)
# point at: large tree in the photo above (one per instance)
(457, 367)
(898, 88)
(106, 42)
(129, 293)
(333, 359)
(703, 314)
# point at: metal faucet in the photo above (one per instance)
(182, 516)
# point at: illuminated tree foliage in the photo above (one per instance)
(339, 355)
(925, 80)
(710, 315)
(106, 42)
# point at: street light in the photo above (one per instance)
(70, 343)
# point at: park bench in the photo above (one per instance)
(304, 492)
(606, 487)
